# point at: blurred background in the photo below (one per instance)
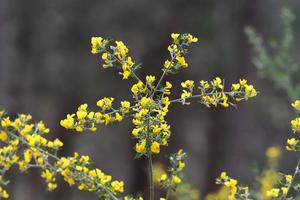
(46, 69)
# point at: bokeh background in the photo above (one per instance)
(46, 69)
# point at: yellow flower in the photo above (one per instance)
(156, 129)
(118, 186)
(81, 114)
(150, 79)
(175, 36)
(136, 131)
(168, 88)
(204, 84)
(68, 122)
(118, 117)
(181, 61)
(292, 141)
(57, 143)
(231, 183)
(175, 180)
(163, 177)
(181, 165)
(296, 105)
(140, 147)
(47, 175)
(167, 64)
(243, 82)
(104, 56)
(273, 193)
(172, 48)
(284, 190)
(5, 122)
(105, 103)
(3, 136)
(3, 193)
(126, 74)
(125, 105)
(145, 102)
(223, 175)
(42, 128)
(295, 124)
(235, 87)
(107, 119)
(187, 84)
(136, 88)
(250, 91)
(185, 94)
(96, 42)
(27, 129)
(191, 39)
(40, 161)
(273, 152)
(155, 147)
(217, 82)
(289, 178)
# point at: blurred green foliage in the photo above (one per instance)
(275, 60)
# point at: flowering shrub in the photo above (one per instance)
(275, 61)
(273, 185)
(25, 144)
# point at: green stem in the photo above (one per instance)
(120, 61)
(158, 83)
(150, 165)
(293, 179)
(151, 183)
(179, 100)
(168, 194)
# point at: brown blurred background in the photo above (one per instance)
(46, 69)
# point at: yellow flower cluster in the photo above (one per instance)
(212, 93)
(287, 183)
(151, 100)
(98, 43)
(172, 179)
(293, 143)
(114, 55)
(295, 124)
(151, 129)
(133, 198)
(269, 177)
(273, 153)
(177, 51)
(184, 190)
(75, 170)
(149, 109)
(49, 177)
(235, 191)
(3, 193)
(14, 133)
(24, 144)
(281, 193)
(296, 105)
(84, 119)
(151, 97)
(220, 194)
